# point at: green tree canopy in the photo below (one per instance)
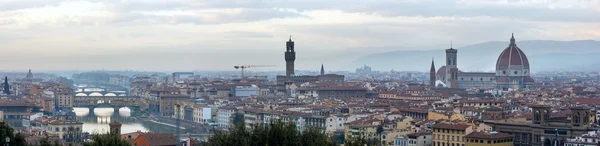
(107, 139)
(7, 132)
(275, 134)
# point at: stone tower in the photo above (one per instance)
(541, 114)
(322, 70)
(432, 75)
(290, 57)
(580, 116)
(451, 68)
(115, 127)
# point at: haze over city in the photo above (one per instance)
(214, 35)
(300, 73)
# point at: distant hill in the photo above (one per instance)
(543, 56)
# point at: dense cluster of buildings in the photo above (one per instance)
(455, 108)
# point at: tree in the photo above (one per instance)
(274, 134)
(8, 132)
(45, 141)
(107, 139)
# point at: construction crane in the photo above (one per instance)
(243, 67)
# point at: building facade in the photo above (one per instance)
(489, 139)
(450, 134)
(168, 101)
(64, 97)
(224, 116)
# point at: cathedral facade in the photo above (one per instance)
(512, 71)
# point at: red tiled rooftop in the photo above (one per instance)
(484, 135)
(451, 126)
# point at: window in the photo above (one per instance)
(503, 72)
(515, 72)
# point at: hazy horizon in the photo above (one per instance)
(216, 35)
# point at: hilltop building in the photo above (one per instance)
(29, 77)
(290, 77)
(512, 71)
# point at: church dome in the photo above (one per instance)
(512, 57)
(441, 71)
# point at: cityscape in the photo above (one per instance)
(506, 91)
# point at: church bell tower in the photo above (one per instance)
(452, 70)
(290, 57)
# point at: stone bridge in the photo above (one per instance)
(115, 101)
(100, 93)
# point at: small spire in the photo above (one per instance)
(432, 65)
(322, 69)
(290, 38)
(450, 44)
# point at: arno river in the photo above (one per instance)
(96, 121)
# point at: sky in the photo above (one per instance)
(218, 34)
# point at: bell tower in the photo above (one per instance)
(541, 114)
(452, 70)
(580, 116)
(290, 57)
(115, 127)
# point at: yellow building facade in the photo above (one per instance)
(450, 134)
(489, 139)
(366, 131)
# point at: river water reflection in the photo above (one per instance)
(97, 121)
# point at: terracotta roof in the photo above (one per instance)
(482, 101)
(512, 56)
(160, 138)
(114, 123)
(502, 79)
(594, 101)
(484, 135)
(413, 110)
(528, 79)
(15, 103)
(451, 126)
(414, 135)
(174, 96)
(441, 71)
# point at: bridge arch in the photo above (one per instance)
(96, 94)
(81, 94)
(110, 94)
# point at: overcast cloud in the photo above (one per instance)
(217, 34)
